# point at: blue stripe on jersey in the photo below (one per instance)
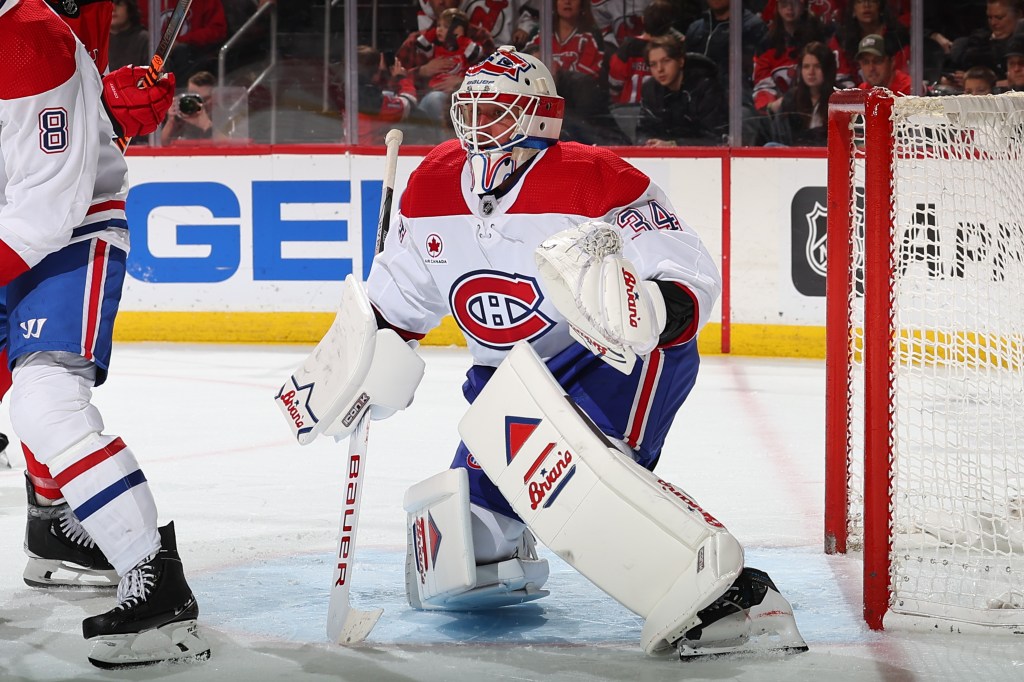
(99, 227)
(94, 503)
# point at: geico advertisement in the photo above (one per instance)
(279, 233)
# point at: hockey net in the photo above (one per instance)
(925, 359)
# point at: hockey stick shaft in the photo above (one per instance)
(345, 624)
(163, 49)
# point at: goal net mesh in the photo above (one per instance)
(957, 379)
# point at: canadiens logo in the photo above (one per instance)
(506, 64)
(497, 309)
(471, 462)
(434, 245)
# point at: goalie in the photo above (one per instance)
(580, 294)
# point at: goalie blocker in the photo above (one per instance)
(355, 367)
(639, 538)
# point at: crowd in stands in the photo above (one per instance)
(646, 72)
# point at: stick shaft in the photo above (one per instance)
(393, 142)
(345, 624)
(163, 49)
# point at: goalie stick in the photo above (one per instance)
(346, 624)
(163, 49)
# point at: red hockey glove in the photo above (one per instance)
(133, 110)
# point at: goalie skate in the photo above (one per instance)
(751, 618)
(155, 619)
(60, 551)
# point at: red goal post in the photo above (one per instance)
(925, 354)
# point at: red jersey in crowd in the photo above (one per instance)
(578, 52)
(204, 24)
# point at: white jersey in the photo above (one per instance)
(449, 251)
(59, 168)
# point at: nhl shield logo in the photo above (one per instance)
(808, 244)
(816, 251)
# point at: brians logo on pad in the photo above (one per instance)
(551, 470)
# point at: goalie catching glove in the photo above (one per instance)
(135, 109)
(610, 310)
(355, 367)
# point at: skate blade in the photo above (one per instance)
(48, 573)
(179, 642)
(768, 644)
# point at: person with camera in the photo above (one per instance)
(191, 116)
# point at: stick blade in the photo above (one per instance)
(350, 625)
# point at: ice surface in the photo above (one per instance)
(256, 517)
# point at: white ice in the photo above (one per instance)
(256, 518)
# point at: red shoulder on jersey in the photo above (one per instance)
(580, 179)
(39, 50)
(435, 188)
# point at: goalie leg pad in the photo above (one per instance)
(640, 539)
(441, 568)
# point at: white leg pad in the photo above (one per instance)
(441, 570)
(640, 539)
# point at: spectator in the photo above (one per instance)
(709, 36)
(448, 41)
(204, 30)
(575, 43)
(775, 64)
(683, 102)
(628, 69)
(987, 47)
(1015, 64)
(129, 40)
(619, 20)
(980, 80)
(386, 95)
(191, 115)
(418, 60)
(508, 22)
(803, 112)
(863, 18)
(826, 11)
(944, 22)
(878, 67)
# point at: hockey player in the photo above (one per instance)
(63, 245)
(580, 293)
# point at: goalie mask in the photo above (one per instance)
(505, 111)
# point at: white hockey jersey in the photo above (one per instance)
(59, 168)
(451, 251)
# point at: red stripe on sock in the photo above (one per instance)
(40, 476)
(89, 461)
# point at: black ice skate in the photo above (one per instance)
(60, 551)
(155, 618)
(751, 617)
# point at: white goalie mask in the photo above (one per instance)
(505, 111)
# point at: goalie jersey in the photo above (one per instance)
(62, 179)
(450, 251)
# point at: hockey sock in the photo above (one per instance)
(108, 492)
(47, 491)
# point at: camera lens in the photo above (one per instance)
(190, 104)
